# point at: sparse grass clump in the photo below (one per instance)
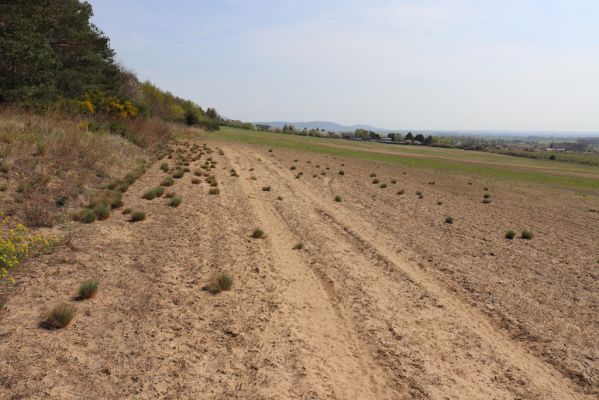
(195, 181)
(153, 193)
(375, 181)
(279, 198)
(59, 317)
(341, 172)
(338, 199)
(164, 167)
(127, 211)
(373, 175)
(383, 185)
(510, 234)
(167, 182)
(137, 216)
(102, 211)
(85, 215)
(449, 220)
(486, 196)
(298, 246)
(439, 203)
(266, 188)
(87, 290)
(258, 234)
(214, 191)
(400, 192)
(175, 201)
(292, 168)
(526, 234)
(394, 181)
(178, 174)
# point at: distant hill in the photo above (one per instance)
(326, 125)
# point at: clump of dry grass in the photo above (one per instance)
(214, 191)
(59, 317)
(218, 283)
(88, 290)
(137, 216)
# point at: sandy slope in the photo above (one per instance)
(352, 316)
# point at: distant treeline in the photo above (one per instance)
(53, 58)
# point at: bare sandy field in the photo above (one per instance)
(385, 301)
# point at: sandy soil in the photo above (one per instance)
(385, 301)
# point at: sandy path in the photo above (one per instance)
(348, 317)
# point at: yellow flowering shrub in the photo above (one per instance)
(16, 244)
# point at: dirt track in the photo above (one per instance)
(357, 314)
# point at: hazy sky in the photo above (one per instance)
(426, 64)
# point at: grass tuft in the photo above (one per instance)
(258, 234)
(298, 246)
(510, 234)
(102, 211)
(175, 201)
(137, 216)
(88, 289)
(338, 199)
(59, 317)
(526, 234)
(449, 220)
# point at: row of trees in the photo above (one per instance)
(52, 56)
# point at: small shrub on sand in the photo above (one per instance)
(375, 181)
(102, 211)
(153, 193)
(178, 174)
(127, 211)
(510, 234)
(164, 167)
(394, 181)
(258, 234)
(373, 175)
(439, 203)
(266, 188)
(88, 289)
(175, 201)
(383, 185)
(169, 195)
(449, 220)
(167, 182)
(195, 181)
(218, 283)
(279, 198)
(298, 246)
(526, 234)
(59, 317)
(486, 196)
(292, 168)
(214, 191)
(137, 216)
(400, 192)
(338, 199)
(342, 173)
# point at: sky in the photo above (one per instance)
(524, 65)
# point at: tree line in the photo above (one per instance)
(53, 57)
